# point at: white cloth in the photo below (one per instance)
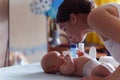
(109, 67)
(89, 66)
(113, 47)
(30, 72)
(110, 60)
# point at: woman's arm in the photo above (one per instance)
(105, 20)
(68, 67)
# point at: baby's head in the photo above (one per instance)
(52, 61)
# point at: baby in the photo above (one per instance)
(54, 62)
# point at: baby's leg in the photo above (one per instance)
(103, 70)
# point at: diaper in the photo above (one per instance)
(109, 67)
(109, 59)
(89, 66)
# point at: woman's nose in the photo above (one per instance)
(70, 37)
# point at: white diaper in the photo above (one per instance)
(109, 67)
(89, 66)
(93, 63)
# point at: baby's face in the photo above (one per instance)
(56, 60)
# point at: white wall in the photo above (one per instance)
(27, 30)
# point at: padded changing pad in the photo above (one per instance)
(30, 72)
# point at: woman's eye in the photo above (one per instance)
(61, 28)
(64, 30)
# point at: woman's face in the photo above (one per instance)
(76, 33)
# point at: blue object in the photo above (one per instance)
(73, 50)
(57, 3)
(52, 12)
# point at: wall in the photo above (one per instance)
(27, 30)
(3, 30)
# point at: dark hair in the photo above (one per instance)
(73, 6)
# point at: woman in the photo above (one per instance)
(79, 17)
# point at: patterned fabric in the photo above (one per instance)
(40, 6)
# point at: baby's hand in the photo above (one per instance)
(68, 58)
(68, 67)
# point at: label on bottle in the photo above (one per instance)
(73, 50)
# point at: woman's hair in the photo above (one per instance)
(73, 6)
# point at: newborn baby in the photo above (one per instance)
(54, 62)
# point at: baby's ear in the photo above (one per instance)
(54, 66)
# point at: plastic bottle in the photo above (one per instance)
(73, 50)
(81, 49)
(93, 52)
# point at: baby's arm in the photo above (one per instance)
(68, 67)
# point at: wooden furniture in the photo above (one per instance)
(59, 48)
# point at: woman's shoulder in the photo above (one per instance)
(110, 8)
(100, 13)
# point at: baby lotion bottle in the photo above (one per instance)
(73, 50)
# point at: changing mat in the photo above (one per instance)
(30, 72)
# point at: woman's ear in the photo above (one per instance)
(73, 18)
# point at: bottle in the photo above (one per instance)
(81, 49)
(73, 50)
(93, 52)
